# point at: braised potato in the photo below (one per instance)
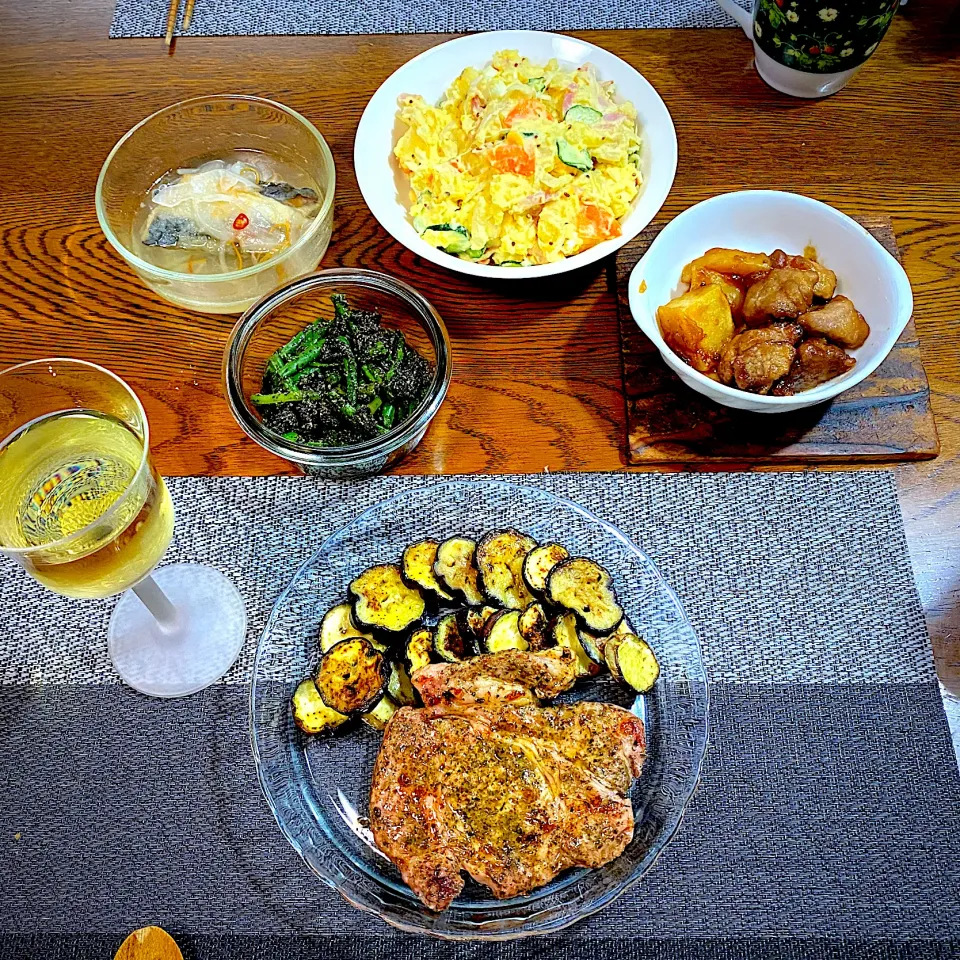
(734, 290)
(732, 263)
(697, 325)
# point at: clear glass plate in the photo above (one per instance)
(318, 789)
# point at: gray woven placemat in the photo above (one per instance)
(827, 823)
(227, 18)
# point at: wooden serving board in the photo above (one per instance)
(886, 417)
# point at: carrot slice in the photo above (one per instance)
(595, 224)
(526, 110)
(512, 158)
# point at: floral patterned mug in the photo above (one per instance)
(811, 48)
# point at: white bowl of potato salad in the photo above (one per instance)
(515, 154)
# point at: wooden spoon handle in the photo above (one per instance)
(149, 943)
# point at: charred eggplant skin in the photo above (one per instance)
(449, 643)
(455, 568)
(417, 567)
(384, 603)
(538, 563)
(500, 556)
(585, 588)
(352, 676)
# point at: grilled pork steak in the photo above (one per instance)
(513, 795)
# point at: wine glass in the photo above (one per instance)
(85, 512)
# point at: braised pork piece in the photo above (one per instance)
(485, 781)
(764, 324)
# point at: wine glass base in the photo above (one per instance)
(196, 651)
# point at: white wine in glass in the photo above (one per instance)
(83, 510)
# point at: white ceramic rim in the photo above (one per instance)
(646, 320)
(423, 249)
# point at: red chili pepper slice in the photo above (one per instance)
(241, 221)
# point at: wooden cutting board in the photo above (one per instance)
(886, 417)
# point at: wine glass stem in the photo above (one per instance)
(157, 602)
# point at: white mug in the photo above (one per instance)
(807, 35)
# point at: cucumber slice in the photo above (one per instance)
(454, 239)
(573, 156)
(310, 713)
(581, 113)
(538, 83)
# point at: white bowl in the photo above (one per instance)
(762, 220)
(386, 188)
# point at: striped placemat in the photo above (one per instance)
(826, 824)
(226, 18)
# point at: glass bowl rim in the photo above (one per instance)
(122, 499)
(395, 438)
(162, 272)
(479, 934)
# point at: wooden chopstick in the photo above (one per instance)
(171, 21)
(187, 16)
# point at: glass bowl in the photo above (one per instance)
(318, 788)
(273, 321)
(190, 133)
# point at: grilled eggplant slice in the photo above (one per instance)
(472, 620)
(592, 646)
(351, 678)
(502, 633)
(380, 715)
(418, 561)
(310, 713)
(637, 664)
(610, 654)
(500, 559)
(383, 602)
(539, 562)
(455, 568)
(534, 626)
(337, 624)
(585, 588)
(448, 641)
(399, 686)
(565, 634)
(418, 651)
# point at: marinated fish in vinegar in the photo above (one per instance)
(224, 216)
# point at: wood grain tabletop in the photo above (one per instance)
(537, 379)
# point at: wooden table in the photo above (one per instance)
(537, 371)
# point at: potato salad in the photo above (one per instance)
(520, 163)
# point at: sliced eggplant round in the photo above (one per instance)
(418, 651)
(610, 654)
(472, 620)
(380, 715)
(337, 624)
(383, 602)
(502, 633)
(352, 678)
(586, 589)
(500, 558)
(418, 561)
(455, 568)
(592, 646)
(449, 642)
(399, 686)
(636, 663)
(534, 626)
(539, 562)
(310, 713)
(565, 634)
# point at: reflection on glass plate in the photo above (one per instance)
(318, 788)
